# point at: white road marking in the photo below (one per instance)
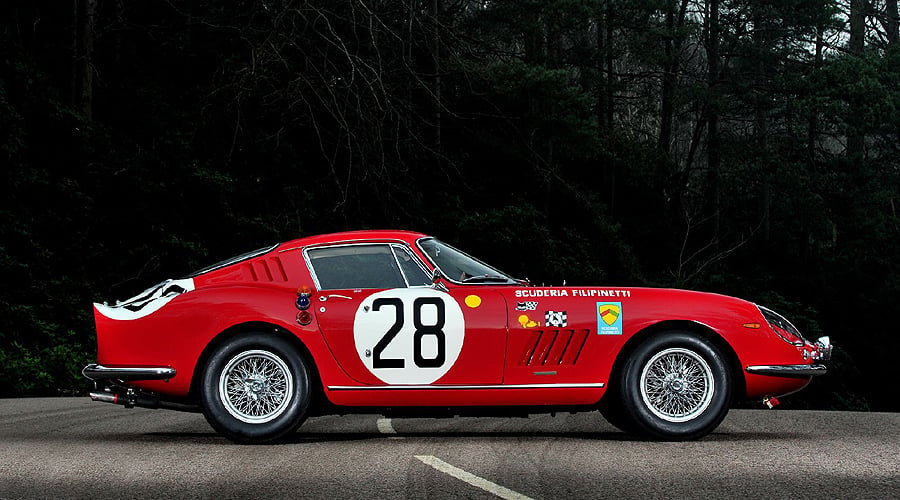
(472, 479)
(385, 427)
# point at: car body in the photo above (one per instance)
(398, 322)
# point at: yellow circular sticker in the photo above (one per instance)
(473, 301)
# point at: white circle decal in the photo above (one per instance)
(409, 335)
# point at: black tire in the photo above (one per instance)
(675, 386)
(612, 410)
(255, 389)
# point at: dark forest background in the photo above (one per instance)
(747, 147)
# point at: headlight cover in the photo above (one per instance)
(782, 327)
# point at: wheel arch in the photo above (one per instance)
(317, 392)
(699, 329)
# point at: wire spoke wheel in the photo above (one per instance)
(256, 386)
(677, 384)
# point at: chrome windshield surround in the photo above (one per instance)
(95, 371)
(801, 371)
(490, 274)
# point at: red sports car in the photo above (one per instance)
(397, 322)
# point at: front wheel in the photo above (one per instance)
(675, 386)
(255, 389)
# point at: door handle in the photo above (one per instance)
(323, 298)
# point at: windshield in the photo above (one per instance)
(459, 267)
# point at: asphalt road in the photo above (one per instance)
(73, 448)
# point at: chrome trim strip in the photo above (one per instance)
(99, 372)
(461, 387)
(415, 259)
(343, 242)
(788, 370)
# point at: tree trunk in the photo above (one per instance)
(892, 22)
(855, 137)
(668, 82)
(670, 72)
(610, 70)
(436, 82)
(813, 132)
(712, 133)
(761, 112)
(83, 69)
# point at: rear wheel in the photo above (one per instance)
(675, 386)
(255, 389)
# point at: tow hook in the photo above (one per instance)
(771, 402)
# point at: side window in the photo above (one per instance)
(414, 273)
(355, 266)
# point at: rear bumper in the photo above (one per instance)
(801, 371)
(94, 371)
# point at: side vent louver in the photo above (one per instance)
(267, 270)
(553, 347)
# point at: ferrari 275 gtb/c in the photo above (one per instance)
(400, 323)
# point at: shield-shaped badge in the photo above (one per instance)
(609, 313)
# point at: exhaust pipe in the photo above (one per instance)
(128, 400)
(105, 397)
(132, 399)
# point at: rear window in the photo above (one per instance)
(234, 260)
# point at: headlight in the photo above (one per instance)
(782, 327)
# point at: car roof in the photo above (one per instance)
(355, 236)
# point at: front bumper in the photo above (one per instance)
(94, 371)
(820, 351)
(788, 370)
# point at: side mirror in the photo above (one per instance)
(436, 276)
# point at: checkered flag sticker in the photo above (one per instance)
(558, 319)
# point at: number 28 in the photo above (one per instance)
(422, 330)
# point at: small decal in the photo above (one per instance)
(609, 318)
(473, 301)
(537, 292)
(558, 319)
(530, 305)
(593, 292)
(527, 322)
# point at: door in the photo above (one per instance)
(386, 327)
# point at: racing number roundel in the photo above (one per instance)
(409, 335)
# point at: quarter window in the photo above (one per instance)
(413, 272)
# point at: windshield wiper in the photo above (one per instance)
(487, 278)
